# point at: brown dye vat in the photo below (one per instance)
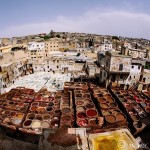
(35, 104)
(49, 108)
(66, 110)
(147, 109)
(31, 116)
(89, 105)
(27, 123)
(78, 95)
(66, 118)
(46, 117)
(115, 111)
(92, 121)
(86, 101)
(120, 117)
(13, 113)
(86, 96)
(113, 105)
(39, 117)
(7, 112)
(122, 99)
(108, 95)
(57, 111)
(104, 105)
(110, 118)
(42, 104)
(33, 108)
(50, 104)
(110, 100)
(101, 100)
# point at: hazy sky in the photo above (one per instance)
(112, 17)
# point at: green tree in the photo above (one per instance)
(58, 35)
(78, 54)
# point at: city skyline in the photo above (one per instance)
(125, 18)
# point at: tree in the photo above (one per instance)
(78, 54)
(58, 35)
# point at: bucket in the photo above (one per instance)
(82, 122)
(110, 118)
(101, 99)
(36, 124)
(91, 113)
(27, 123)
(92, 121)
(104, 106)
(31, 116)
(89, 105)
(39, 117)
(81, 115)
(66, 110)
(120, 117)
(79, 103)
(45, 124)
(46, 117)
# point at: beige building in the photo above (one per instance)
(12, 65)
(116, 69)
(52, 44)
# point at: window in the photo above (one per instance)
(144, 79)
(121, 76)
(132, 67)
(47, 66)
(107, 64)
(121, 67)
(139, 67)
(0, 69)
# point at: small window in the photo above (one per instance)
(121, 67)
(129, 78)
(132, 66)
(121, 76)
(139, 67)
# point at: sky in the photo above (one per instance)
(129, 18)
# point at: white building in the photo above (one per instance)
(104, 46)
(36, 45)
